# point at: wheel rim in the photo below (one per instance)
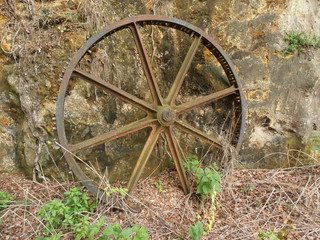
(162, 114)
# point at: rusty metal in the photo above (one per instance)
(162, 115)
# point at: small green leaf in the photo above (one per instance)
(196, 231)
(317, 148)
(125, 233)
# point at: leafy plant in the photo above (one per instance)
(196, 231)
(5, 198)
(316, 141)
(159, 186)
(300, 41)
(282, 234)
(208, 181)
(78, 201)
(53, 213)
(72, 16)
(85, 230)
(26, 202)
(192, 164)
(114, 231)
(71, 213)
(53, 237)
(267, 235)
(109, 190)
(247, 188)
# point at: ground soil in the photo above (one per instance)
(284, 201)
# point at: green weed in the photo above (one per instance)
(207, 179)
(109, 190)
(269, 235)
(159, 186)
(316, 141)
(192, 164)
(85, 230)
(53, 237)
(196, 231)
(26, 202)
(301, 42)
(68, 213)
(5, 198)
(73, 17)
(247, 188)
(282, 234)
(114, 231)
(78, 201)
(72, 213)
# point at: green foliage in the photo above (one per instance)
(316, 141)
(109, 190)
(114, 231)
(247, 188)
(85, 230)
(192, 164)
(53, 213)
(45, 13)
(121, 191)
(67, 213)
(300, 41)
(196, 231)
(78, 201)
(73, 213)
(53, 237)
(73, 17)
(282, 234)
(4, 199)
(27, 202)
(159, 186)
(207, 179)
(267, 235)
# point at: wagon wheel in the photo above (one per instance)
(162, 113)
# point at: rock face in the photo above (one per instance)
(38, 37)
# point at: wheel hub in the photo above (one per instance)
(166, 116)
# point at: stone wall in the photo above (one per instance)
(38, 37)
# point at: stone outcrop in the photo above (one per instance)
(38, 37)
